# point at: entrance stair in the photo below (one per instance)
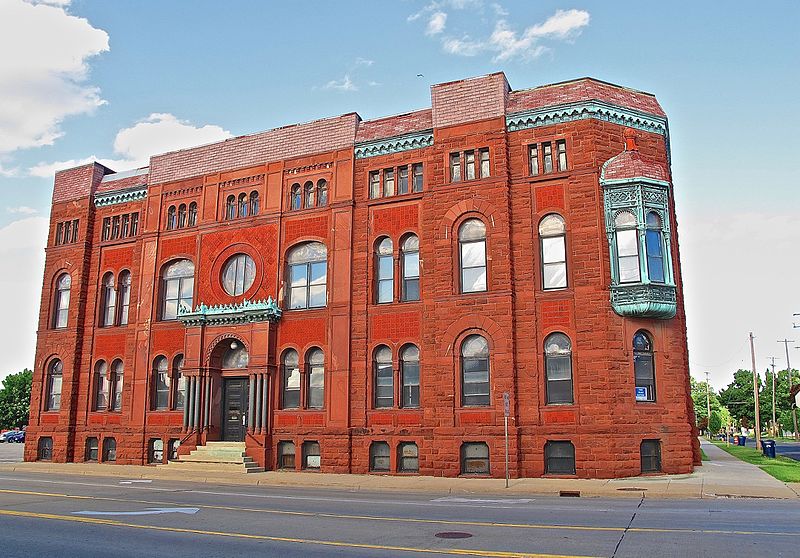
(216, 457)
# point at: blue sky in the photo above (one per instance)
(131, 78)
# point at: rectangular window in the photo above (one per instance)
(126, 225)
(162, 390)
(408, 457)
(474, 458)
(115, 227)
(469, 163)
(628, 255)
(286, 455)
(106, 228)
(291, 387)
(651, 456)
(45, 449)
(645, 375)
(655, 256)
(134, 224)
(559, 458)
(109, 449)
(75, 230)
(417, 179)
(388, 182)
(379, 459)
(384, 385)
(311, 457)
(484, 154)
(554, 262)
(547, 151)
(561, 151)
(455, 167)
(91, 449)
(59, 233)
(155, 452)
(385, 284)
(402, 186)
(374, 185)
(67, 232)
(533, 159)
(410, 396)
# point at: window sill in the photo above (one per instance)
(303, 211)
(318, 309)
(545, 177)
(397, 197)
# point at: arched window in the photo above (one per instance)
(379, 457)
(254, 203)
(91, 449)
(474, 371)
(627, 247)
(558, 368)
(172, 218)
(309, 195)
(155, 451)
(61, 302)
(384, 271)
(109, 300)
(243, 205)
(384, 377)
(286, 455)
(124, 296)
(161, 383)
(192, 214)
(409, 263)
(117, 379)
(290, 390)
(409, 376)
(179, 383)
(553, 246)
(408, 457)
(644, 368)
(472, 255)
(181, 215)
(236, 356)
(559, 458)
(296, 201)
(54, 376)
(475, 458)
(238, 274)
(322, 193)
(654, 243)
(44, 449)
(101, 386)
(308, 275)
(177, 288)
(230, 207)
(316, 378)
(109, 449)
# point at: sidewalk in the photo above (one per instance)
(723, 476)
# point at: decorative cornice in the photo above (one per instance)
(396, 144)
(598, 110)
(120, 196)
(644, 300)
(309, 168)
(227, 314)
(243, 181)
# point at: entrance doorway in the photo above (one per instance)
(234, 409)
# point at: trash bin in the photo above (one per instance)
(742, 440)
(768, 447)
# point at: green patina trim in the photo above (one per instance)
(396, 144)
(644, 301)
(229, 314)
(597, 110)
(120, 196)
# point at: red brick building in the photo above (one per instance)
(361, 296)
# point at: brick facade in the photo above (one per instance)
(605, 423)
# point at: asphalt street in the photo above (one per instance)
(85, 516)
(784, 448)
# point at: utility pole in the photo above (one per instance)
(708, 408)
(755, 392)
(774, 428)
(791, 383)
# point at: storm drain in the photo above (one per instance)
(570, 493)
(453, 535)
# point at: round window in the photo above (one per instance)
(238, 274)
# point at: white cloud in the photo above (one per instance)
(22, 209)
(8, 172)
(561, 25)
(22, 245)
(364, 62)
(436, 23)
(158, 133)
(463, 47)
(344, 84)
(44, 71)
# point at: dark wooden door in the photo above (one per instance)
(234, 410)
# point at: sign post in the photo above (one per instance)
(506, 410)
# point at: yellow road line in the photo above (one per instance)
(340, 544)
(409, 519)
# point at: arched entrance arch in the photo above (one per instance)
(227, 364)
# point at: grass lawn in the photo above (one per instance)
(782, 468)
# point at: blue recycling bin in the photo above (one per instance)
(768, 448)
(742, 440)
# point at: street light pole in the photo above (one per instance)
(789, 370)
(755, 392)
(708, 407)
(774, 423)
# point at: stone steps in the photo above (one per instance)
(217, 457)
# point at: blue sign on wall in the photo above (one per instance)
(641, 394)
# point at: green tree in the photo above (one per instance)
(739, 399)
(15, 399)
(700, 407)
(715, 423)
(782, 400)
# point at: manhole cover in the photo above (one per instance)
(453, 535)
(632, 489)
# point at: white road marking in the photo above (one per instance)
(148, 511)
(133, 481)
(483, 500)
